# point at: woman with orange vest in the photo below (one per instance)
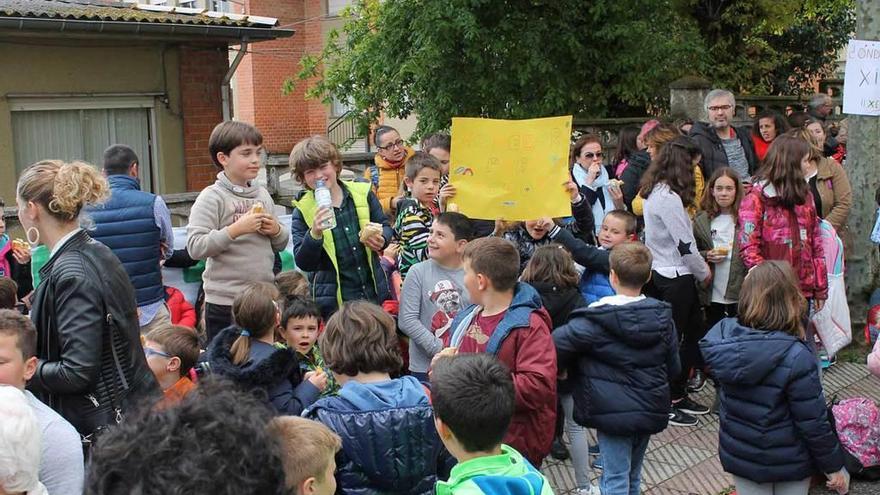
(387, 173)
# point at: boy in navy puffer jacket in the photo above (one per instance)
(389, 442)
(625, 349)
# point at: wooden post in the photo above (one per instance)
(863, 168)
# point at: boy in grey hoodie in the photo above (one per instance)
(231, 223)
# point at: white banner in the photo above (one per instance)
(861, 84)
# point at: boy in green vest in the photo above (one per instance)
(342, 263)
(473, 399)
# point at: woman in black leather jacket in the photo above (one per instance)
(91, 367)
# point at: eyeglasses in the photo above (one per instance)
(720, 108)
(395, 144)
(589, 155)
(153, 352)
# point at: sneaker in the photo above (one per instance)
(696, 382)
(678, 417)
(594, 449)
(592, 490)
(559, 451)
(690, 407)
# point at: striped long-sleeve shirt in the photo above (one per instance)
(413, 225)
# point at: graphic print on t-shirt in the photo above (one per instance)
(447, 298)
(477, 335)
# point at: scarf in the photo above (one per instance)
(761, 147)
(601, 182)
(389, 165)
(621, 166)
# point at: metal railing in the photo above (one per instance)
(343, 132)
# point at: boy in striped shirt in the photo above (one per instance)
(416, 213)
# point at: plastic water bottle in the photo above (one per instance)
(322, 197)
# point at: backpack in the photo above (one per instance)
(857, 423)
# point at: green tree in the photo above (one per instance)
(502, 59)
(530, 58)
(769, 46)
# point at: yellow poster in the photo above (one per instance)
(511, 169)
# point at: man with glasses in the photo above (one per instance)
(389, 168)
(722, 144)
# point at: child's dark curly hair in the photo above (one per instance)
(214, 442)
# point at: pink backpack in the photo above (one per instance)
(857, 422)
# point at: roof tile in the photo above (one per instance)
(116, 11)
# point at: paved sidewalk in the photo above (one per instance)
(684, 461)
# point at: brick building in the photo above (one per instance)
(283, 119)
(80, 75)
(286, 119)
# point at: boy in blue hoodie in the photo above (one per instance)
(618, 226)
(620, 352)
(474, 400)
(389, 443)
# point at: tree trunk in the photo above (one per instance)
(863, 168)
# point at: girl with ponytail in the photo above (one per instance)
(246, 353)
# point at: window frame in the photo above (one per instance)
(38, 103)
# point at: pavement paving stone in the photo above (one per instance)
(684, 461)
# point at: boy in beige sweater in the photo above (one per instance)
(231, 223)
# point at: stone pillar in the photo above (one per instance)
(863, 169)
(687, 96)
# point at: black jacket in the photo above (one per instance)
(638, 163)
(624, 357)
(712, 150)
(774, 423)
(273, 370)
(91, 361)
(560, 303)
(578, 233)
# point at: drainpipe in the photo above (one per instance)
(224, 88)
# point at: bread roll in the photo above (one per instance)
(369, 230)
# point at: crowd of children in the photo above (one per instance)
(465, 377)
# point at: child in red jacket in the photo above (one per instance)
(182, 312)
(509, 321)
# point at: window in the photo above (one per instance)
(80, 129)
(334, 7)
(223, 5)
(339, 108)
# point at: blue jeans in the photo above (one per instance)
(622, 463)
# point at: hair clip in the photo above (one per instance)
(245, 333)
